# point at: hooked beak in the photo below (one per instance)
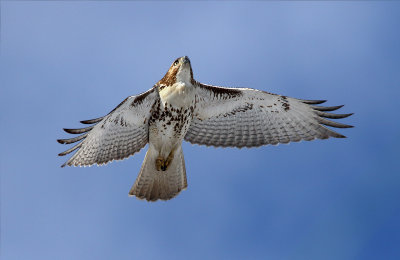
(185, 60)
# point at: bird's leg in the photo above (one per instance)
(160, 163)
(169, 158)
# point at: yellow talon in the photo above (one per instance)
(169, 159)
(159, 163)
(162, 164)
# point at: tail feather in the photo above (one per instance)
(153, 185)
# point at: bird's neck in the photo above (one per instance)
(180, 94)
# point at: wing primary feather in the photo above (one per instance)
(92, 121)
(332, 133)
(320, 108)
(70, 150)
(312, 102)
(331, 123)
(78, 131)
(333, 116)
(72, 140)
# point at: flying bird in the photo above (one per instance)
(179, 108)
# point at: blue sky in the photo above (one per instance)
(62, 62)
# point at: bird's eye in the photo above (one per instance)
(176, 62)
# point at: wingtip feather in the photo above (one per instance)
(312, 102)
(333, 116)
(92, 121)
(332, 123)
(70, 150)
(322, 108)
(79, 130)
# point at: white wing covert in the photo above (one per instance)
(118, 135)
(243, 117)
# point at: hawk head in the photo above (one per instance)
(180, 71)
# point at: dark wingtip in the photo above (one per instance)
(331, 115)
(313, 102)
(339, 116)
(92, 121)
(72, 140)
(332, 123)
(321, 108)
(69, 131)
(79, 130)
(346, 115)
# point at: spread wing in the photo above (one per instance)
(242, 117)
(119, 134)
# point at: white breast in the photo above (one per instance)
(178, 95)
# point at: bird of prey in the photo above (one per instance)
(179, 108)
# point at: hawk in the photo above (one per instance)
(179, 108)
